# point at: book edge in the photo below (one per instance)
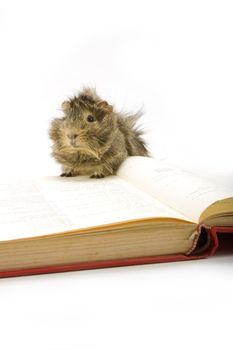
(213, 232)
(97, 265)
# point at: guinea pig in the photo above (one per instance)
(93, 139)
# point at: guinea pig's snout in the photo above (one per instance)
(73, 138)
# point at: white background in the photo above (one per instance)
(173, 57)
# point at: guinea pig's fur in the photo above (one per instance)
(92, 138)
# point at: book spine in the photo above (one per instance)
(208, 240)
(214, 232)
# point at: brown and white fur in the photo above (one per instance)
(92, 138)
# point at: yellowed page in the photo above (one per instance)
(181, 190)
(54, 204)
(219, 209)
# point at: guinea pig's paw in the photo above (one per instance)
(66, 174)
(97, 176)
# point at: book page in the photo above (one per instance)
(179, 189)
(54, 204)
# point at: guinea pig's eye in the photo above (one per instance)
(90, 118)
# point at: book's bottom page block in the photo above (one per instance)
(211, 233)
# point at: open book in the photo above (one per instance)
(149, 212)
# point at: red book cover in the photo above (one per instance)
(209, 237)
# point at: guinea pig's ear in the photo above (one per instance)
(65, 106)
(103, 105)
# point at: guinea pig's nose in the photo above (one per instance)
(72, 136)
